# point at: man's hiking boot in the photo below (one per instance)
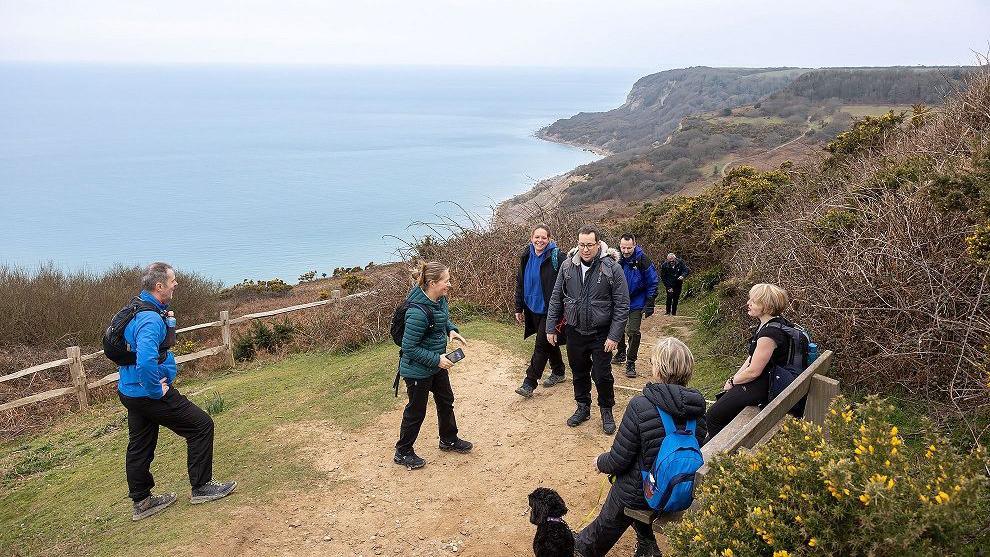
(608, 422)
(631, 369)
(553, 379)
(458, 445)
(152, 504)
(620, 357)
(525, 390)
(646, 548)
(211, 491)
(410, 460)
(582, 414)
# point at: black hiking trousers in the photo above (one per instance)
(419, 391)
(730, 404)
(173, 411)
(673, 296)
(543, 352)
(601, 535)
(590, 362)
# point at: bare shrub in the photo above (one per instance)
(876, 260)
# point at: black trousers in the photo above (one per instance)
(673, 295)
(589, 361)
(605, 530)
(543, 352)
(733, 401)
(177, 413)
(419, 391)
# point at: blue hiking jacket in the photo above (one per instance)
(144, 334)
(641, 276)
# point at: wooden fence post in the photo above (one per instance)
(225, 331)
(78, 373)
(335, 295)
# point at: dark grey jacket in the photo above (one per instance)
(641, 432)
(589, 306)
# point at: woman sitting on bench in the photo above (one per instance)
(637, 443)
(750, 385)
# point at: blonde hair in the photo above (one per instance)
(427, 273)
(772, 297)
(672, 361)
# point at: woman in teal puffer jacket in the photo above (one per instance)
(423, 365)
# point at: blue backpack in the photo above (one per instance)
(669, 484)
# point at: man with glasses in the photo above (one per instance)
(592, 296)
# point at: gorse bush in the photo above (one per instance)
(854, 487)
(274, 287)
(353, 283)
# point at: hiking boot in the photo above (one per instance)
(458, 445)
(582, 414)
(553, 379)
(608, 422)
(211, 491)
(620, 357)
(525, 390)
(152, 504)
(646, 548)
(410, 460)
(631, 369)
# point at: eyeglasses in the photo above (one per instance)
(586, 246)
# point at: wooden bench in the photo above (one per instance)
(754, 426)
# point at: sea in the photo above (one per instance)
(248, 172)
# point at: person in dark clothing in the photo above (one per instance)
(538, 266)
(146, 389)
(636, 447)
(641, 278)
(673, 271)
(750, 385)
(592, 297)
(423, 365)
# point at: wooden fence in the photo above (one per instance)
(754, 426)
(76, 361)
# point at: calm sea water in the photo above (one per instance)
(266, 172)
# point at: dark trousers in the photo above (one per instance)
(589, 361)
(176, 412)
(673, 295)
(601, 535)
(419, 391)
(632, 332)
(543, 352)
(733, 401)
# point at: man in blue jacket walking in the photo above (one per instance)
(641, 276)
(146, 390)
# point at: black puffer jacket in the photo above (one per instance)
(641, 432)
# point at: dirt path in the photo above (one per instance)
(459, 504)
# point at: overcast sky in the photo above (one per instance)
(573, 33)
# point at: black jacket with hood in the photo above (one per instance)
(641, 432)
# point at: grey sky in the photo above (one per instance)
(626, 33)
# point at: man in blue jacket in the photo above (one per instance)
(146, 390)
(641, 276)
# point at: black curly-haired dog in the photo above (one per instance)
(553, 537)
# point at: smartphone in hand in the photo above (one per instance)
(456, 355)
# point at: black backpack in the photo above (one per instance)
(115, 347)
(398, 328)
(781, 376)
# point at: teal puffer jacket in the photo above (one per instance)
(421, 346)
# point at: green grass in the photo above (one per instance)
(861, 110)
(64, 492)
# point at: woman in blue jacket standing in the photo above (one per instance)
(423, 364)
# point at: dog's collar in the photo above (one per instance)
(555, 519)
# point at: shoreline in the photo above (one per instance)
(542, 134)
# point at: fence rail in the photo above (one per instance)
(77, 371)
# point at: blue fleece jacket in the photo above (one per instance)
(532, 284)
(641, 276)
(145, 334)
